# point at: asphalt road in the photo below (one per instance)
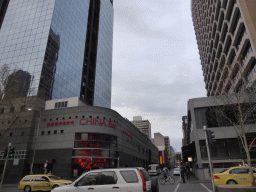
(192, 185)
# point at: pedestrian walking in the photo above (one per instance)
(182, 174)
(188, 172)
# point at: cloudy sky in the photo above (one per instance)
(156, 65)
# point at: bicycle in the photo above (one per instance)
(169, 179)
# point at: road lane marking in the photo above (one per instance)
(177, 188)
(205, 187)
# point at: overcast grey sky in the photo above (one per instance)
(156, 65)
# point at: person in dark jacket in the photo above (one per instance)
(188, 172)
(182, 174)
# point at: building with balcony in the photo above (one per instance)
(225, 32)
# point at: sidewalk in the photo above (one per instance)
(10, 185)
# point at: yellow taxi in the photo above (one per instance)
(42, 182)
(234, 175)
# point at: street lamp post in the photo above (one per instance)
(34, 152)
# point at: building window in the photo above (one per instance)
(63, 118)
(22, 133)
(11, 134)
(55, 131)
(42, 133)
(61, 104)
(49, 132)
(61, 131)
(2, 110)
(56, 118)
(69, 117)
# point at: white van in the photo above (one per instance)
(154, 169)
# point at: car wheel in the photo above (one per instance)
(231, 182)
(154, 185)
(54, 186)
(27, 188)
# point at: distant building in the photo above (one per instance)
(172, 156)
(184, 130)
(163, 145)
(143, 125)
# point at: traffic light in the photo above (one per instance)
(12, 152)
(181, 161)
(53, 161)
(5, 152)
(210, 136)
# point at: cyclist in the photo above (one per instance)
(165, 173)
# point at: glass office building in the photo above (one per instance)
(62, 48)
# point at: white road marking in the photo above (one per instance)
(205, 187)
(177, 188)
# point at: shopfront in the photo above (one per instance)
(93, 151)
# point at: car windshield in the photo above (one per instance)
(176, 169)
(53, 177)
(223, 170)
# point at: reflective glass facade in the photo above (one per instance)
(46, 40)
(103, 78)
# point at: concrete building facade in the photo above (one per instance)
(77, 137)
(226, 150)
(143, 125)
(163, 145)
(225, 32)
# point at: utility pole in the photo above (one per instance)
(209, 157)
(5, 164)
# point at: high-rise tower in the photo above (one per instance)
(225, 32)
(64, 46)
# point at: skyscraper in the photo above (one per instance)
(225, 32)
(64, 46)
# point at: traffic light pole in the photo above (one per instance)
(5, 164)
(209, 157)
